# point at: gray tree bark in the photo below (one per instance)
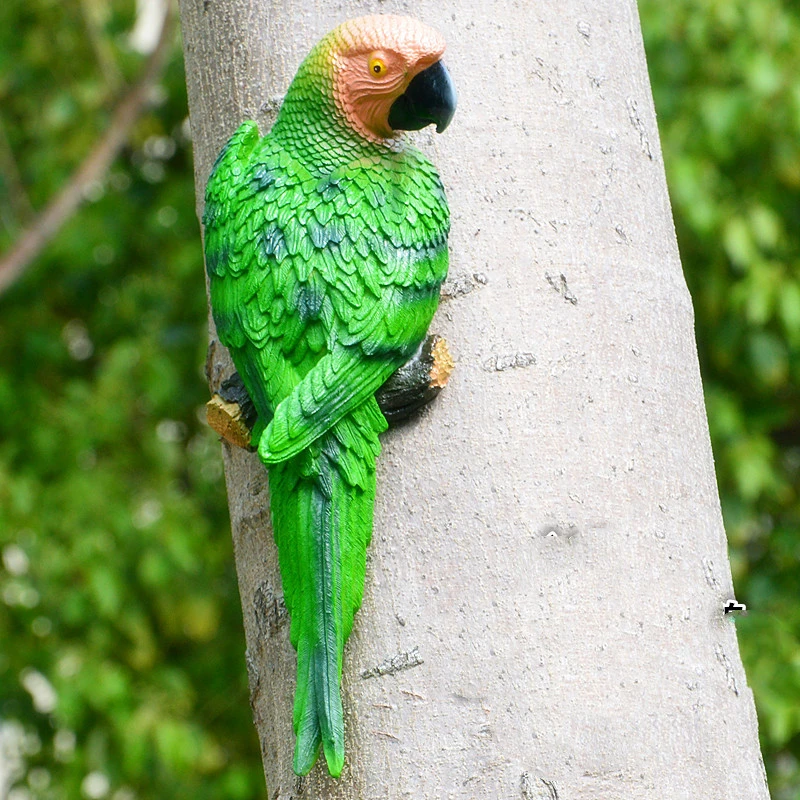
(543, 606)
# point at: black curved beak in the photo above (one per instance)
(429, 98)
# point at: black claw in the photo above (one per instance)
(408, 389)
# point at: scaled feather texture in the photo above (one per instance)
(326, 246)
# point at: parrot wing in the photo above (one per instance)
(383, 262)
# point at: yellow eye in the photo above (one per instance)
(377, 67)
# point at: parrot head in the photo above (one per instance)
(387, 76)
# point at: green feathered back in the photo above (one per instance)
(325, 255)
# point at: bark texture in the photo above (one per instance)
(543, 608)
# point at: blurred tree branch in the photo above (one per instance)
(94, 15)
(19, 208)
(66, 202)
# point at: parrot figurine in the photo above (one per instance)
(326, 246)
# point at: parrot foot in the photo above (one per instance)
(417, 382)
(231, 412)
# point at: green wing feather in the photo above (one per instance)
(322, 285)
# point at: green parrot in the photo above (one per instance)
(326, 246)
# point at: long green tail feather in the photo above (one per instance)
(322, 503)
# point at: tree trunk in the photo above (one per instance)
(543, 613)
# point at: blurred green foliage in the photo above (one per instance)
(121, 649)
(122, 670)
(726, 81)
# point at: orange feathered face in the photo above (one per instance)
(375, 59)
